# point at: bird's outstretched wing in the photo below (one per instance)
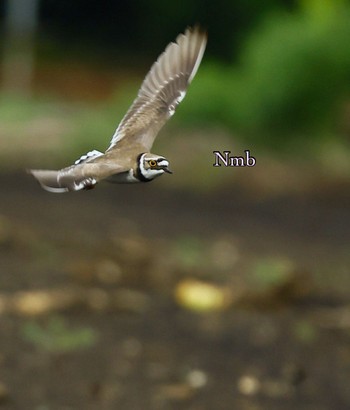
(162, 90)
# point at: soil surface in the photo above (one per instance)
(89, 317)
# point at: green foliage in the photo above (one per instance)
(56, 336)
(293, 80)
(208, 97)
(299, 74)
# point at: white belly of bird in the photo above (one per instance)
(123, 178)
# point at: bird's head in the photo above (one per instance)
(150, 166)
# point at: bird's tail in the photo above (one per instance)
(64, 180)
(48, 179)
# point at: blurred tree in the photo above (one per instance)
(18, 60)
(292, 83)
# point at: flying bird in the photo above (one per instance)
(128, 158)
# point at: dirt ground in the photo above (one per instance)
(89, 317)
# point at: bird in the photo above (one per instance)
(128, 158)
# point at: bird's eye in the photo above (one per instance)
(152, 163)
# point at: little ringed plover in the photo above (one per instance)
(128, 158)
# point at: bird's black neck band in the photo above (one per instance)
(139, 174)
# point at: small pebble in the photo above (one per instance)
(249, 385)
(201, 296)
(197, 378)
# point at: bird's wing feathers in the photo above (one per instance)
(89, 156)
(162, 90)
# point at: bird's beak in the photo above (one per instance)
(167, 170)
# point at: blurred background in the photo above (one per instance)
(212, 288)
